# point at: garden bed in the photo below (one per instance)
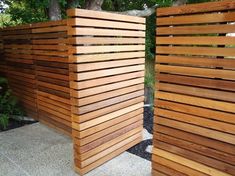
(13, 123)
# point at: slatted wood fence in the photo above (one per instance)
(20, 66)
(50, 52)
(107, 80)
(83, 76)
(194, 130)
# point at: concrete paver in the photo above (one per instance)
(36, 150)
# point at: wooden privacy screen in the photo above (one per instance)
(107, 81)
(50, 53)
(194, 130)
(90, 85)
(20, 66)
(38, 71)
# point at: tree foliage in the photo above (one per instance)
(9, 107)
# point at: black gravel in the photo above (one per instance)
(148, 119)
(17, 123)
(140, 148)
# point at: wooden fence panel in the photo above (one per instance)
(194, 119)
(50, 52)
(20, 66)
(107, 84)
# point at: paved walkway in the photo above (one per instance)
(36, 150)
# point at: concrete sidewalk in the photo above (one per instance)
(36, 150)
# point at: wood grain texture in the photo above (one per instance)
(19, 66)
(195, 84)
(50, 51)
(83, 76)
(107, 85)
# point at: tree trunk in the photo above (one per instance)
(54, 10)
(179, 2)
(141, 13)
(94, 4)
(72, 4)
(97, 5)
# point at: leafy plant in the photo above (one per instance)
(9, 107)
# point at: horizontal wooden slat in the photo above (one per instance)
(107, 110)
(51, 41)
(111, 149)
(101, 49)
(219, 146)
(177, 166)
(105, 57)
(214, 154)
(53, 97)
(107, 72)
(104, 24)
(199, 40)
(106, 138)
(103, 126)
(49, 23)
(189, 109)
(104, 15)
(197, 19)
(197, 8)
(53, 75)
(104, 40)
(109, 102)
(51, 53)
(105, 80)
(106, 95)
(212, 104)
(204, 29)
(107, 157)
(104, 65)
(105, 88)
(202, 72)
(111, 129)
(107, 117)
(52, 86)
(213, 134)
(105, 32)
(50, 47)
(160, 170)
(52, 58)
(195, 91)
(208, 51)
(188, 163)
(198, 158)
(203, 122)
(196, 61)
(50, 29)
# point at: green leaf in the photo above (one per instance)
(4, 121)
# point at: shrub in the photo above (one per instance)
(9, 107)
